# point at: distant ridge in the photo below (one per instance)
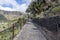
(11, 12)
(3, 18)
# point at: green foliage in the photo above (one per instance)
(35, 7)
(56, 9)
(8, 33)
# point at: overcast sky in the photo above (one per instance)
(10, 5)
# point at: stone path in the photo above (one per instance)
(30, 32)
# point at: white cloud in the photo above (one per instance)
(22, 7)
(28, 1)
(7, 8)
(16, 6)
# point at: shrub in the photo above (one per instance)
(56, 9)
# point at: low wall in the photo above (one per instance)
(50, 26)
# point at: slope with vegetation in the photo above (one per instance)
(38, 6)
(13, 24)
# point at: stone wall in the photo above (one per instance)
(51, 26)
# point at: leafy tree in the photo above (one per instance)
(35, 7)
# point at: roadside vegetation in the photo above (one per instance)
(12, 26)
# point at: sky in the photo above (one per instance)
(14, 5)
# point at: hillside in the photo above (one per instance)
(10, 15)
(10, 12)
(3, 18)
(7, 18)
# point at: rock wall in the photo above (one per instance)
(51, 26)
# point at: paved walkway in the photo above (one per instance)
(30, 32)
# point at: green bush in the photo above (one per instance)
(56, 9)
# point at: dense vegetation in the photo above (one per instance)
(38, 6)
(13, 26)
(56, 9)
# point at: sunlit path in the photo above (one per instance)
(30, 32)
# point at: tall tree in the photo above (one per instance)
(35, 7)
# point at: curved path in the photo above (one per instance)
(30, 32)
